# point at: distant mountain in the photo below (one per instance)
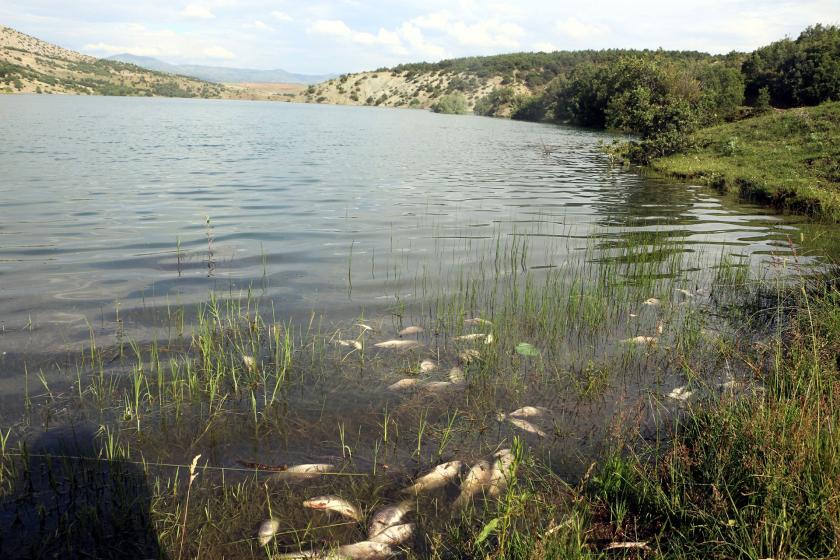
(221, 74)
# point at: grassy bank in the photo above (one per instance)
(788, 159)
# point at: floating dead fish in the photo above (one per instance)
(304, 472)
(438, 477)
(366, 550)
(404, 384)
(501, 472)
(456, 376)
(267, 530)
(524, 425)
(250, 362)
(641, 545)
(438, 386)
(411, 330)
(477, 321)
(633, 315)
(477, 479)
(335, 504)
(686, 293)
(470, 337)
(469, 356)
(364, 327)
(388, 517)
(530, 412)
(651, 301)
(398, 344)
(640, 340)
(489, 339)
(354, 343)
(680, 393)
(427, 365)
(395, 535)
(660, 327)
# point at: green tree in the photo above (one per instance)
(451, 103)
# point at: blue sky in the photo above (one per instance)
(352, 35)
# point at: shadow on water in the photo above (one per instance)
(69, 501)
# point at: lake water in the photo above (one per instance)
(119, 216)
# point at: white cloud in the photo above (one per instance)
(197, 11)
(546, 47)
(218, 52)
(281, 16)
(108, 49)
(257, 24)
(486, 33)
(577, 29)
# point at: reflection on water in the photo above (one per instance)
(105, 205)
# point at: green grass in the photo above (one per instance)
(788, 159)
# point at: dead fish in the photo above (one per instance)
(660, 327)
(477, 479)
(438, 386)
(469, 337)
(501, 472)
(398, 344)
(639, 340)
(469, 356)
(304, 472)
(686, 293)
(404, 384)
(366, 550)
(651, 301)
(489, 339)
(476, 321)
(456, 376)
(526, 426)
(395, 535)
(267, 530)
(530, 412)
(354, 343)
(427, 365)
(364, 327)
(411, 330)
(680, 393)
(250, 362)
(334, 503)
(388, 517)
(438, 477)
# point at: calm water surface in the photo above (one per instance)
(107, 204)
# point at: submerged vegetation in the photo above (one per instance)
(620, 402)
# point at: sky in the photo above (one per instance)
(338, 36)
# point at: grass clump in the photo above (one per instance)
(787, 159)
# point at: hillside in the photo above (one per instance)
(29, 65)
(222, 74)
(787, 158)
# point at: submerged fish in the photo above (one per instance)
(411, 330)
(680, 393)
(388, 517)
(469, 356)
(395, 535)
(456, 376)
(250, 362)
(477, 479)
(639, 340)
(525, 426)
(438, 477)
(398, 344)
(304, 472)
(530, 412)
(501, 473)
(437, 386)
(476, 321)
(267, 530)
(336, 504)
(354, 343)
(651, 301)
(469, 337)
(427, 366)
(404, 384)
